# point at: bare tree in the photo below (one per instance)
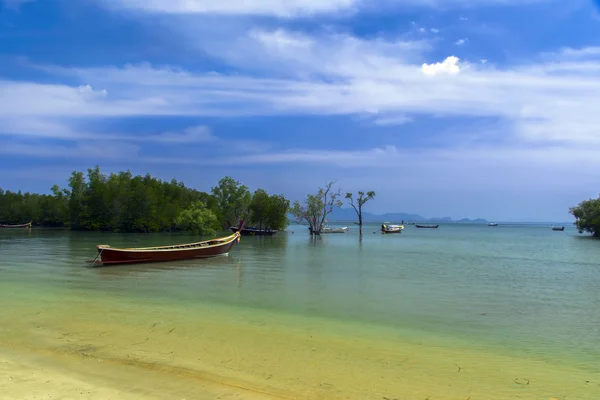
(317, 207)
(360, 202)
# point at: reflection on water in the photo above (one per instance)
(346, 306)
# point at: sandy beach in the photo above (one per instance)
(211, 353)
(27, 375)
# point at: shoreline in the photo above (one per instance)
(206, 352)
(33, 375)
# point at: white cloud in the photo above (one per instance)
(592, 51)
(281, 8)
(434, 30)
(396, 120)
(461, 42)
(541, 103)
(448, 66)
(294, 8)
(196, 134)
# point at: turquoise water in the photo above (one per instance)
(521, 290)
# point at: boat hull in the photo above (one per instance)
(392, 231)
(211, 248)
(334, 230)
(559, 229)
(388, 229)
(427, 226)
(15, 226)
(254, 232)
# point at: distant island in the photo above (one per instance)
(348, 214)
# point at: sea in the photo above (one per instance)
(462, 312)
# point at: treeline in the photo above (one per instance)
(125, 203)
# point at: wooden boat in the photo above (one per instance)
(327, 229)
(208, 248)
(385, 228)
(558, 228)
(28, 225)
(250, 231)
(428, 226)
(253, 231)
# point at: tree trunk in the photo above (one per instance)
(360, 224)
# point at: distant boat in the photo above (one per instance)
(492, 224)
(385, 228)
(428, 226)
(327, 229)
(558, 228)
(28, 225)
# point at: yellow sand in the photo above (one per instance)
(81, 348)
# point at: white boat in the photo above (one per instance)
(327, 229)
(385, 228)
(492, 224)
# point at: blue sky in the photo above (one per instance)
(462, 108)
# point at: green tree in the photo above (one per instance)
(198, 219)
(587, 215)
(277, 212)
(233, 200)
(361, 199)
(317, 207)
(259, 207)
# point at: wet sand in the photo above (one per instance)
(85, 347)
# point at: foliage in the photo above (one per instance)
(198, 219)
(20, 208)
(126, 203)
(277, 212)
(587, 214)
(259, 207)
(317, 207)
(360, 202)
(233, 200)
(268, 212)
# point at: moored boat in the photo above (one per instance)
(253, 231)
(428, 226)
(558, 228)
(250, 231)
(328, 229)
(27, 225)
(492, 224)
(209, 248)
(385, 228)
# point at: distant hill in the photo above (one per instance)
(348, 214)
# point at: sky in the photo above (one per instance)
(461, 108)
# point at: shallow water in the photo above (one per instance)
(454, 313)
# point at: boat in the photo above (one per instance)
(492, 224)
(428, 226)
(327, 229)
(28, 225)
(253, 231)
(558, 228)
(385, 228)
(209, 248)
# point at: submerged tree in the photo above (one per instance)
(269, 212)
(277, 212)
(360, 202)
(317, 207)
(587, 214)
